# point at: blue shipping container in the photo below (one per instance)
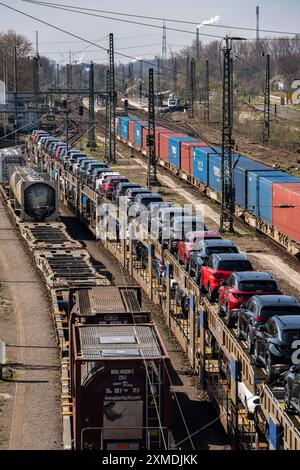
(201, 155)
(259, 191)
(123, 127)
(240, 172)
(138, 134)
(174, 149)
(214, 169)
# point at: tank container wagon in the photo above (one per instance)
(34, 197)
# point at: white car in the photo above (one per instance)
(247, 398)
(100, 181)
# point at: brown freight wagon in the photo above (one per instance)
(120, 387)
(107, 305)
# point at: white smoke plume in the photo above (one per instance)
(212, 20)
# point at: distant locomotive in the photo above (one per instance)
(174, 101)
(34, 198)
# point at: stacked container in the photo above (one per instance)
(260, 191)
(187, 155)
(175, 148)
(286, 209)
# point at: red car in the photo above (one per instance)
(111, 183)
(193, 242)
(240, 287)
(218, 268)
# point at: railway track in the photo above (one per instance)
(272, 405)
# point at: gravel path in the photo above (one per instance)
(32, 412)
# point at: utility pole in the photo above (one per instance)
(141, 81)
(206, 93)
(192, 85)
(197, 44)
(111, 110)
(266, 128)
(187, 78)
(36, 73)
(158, 81)
(164, 48)
(151, 176)
(92, 138)
(164, 44)
(16, 92)
(227, 188)
(57, 75)
(175, 75)
(5, 80)
(257, 23)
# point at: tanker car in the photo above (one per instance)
(34, 198)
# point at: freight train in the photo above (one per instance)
(115, 368)
(189, 325)
(267, 198)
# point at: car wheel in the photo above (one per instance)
(287, 398)
(255, 352)
(210, 293)
(270, 375)
(238, 330)
(249, 342)
(229, 320)
(220, 305)
(201, 286)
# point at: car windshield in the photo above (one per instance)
(220, 249)
(291, 335)
(268, 312)
(234, 265)
(257, 286)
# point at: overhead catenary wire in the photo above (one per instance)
(79, 37)
(156, 18)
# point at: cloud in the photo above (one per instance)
(212, 20)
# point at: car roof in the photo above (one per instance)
(205, 234)
(254, 276)
(276, 300)
(123, 184)
(218, 242)
(230, 257)
(143, 190)
(288, 321)
(151, 195)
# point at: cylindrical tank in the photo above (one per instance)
(35, 198)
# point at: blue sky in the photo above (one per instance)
(138, 41)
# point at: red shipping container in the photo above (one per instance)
(131, 131)
(145, 133)
(287, 219)
(159, 130)
(164, 144)
(187, 155)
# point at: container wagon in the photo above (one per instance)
(34, 198)
(120, 387)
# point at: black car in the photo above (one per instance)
(121, 189)
(208, 248)
(273, 344)
(292, 388)
(178, 228)
(259, 309)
